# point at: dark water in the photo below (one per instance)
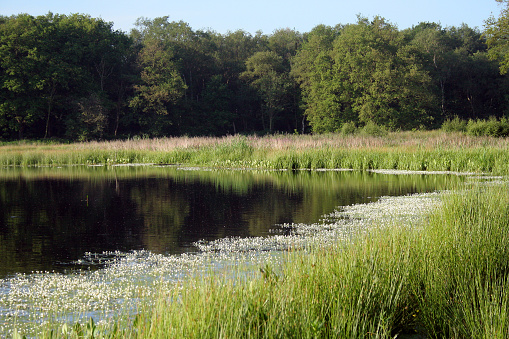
(50, 217)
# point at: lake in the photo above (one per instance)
(50, 217)
(57, 219)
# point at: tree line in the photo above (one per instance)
(75, 77)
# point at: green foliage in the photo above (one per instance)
(90, 120)
(265, 71)
(496, 33)
(161, 86)
(374, 130)
(348, 128)
(463, 268)
(457, 62)
(367, 74)
(75, 77)
(454, 125)
(491, 127)
(51, 65)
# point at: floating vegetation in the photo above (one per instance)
(392, 210)
(29, 302)
(340, 225)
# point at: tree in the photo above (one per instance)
(265, 72)
(286, 43)
(378, 78)
(161, 86)
(216, 101)
(477, 89)
(21, 83)
(464, 80)
(51, 63)
(90, 121)
(231, 53)
(496, 34)
(369, 75)
(434, 44)
(95, 55)
(312, 69)
(192, 57)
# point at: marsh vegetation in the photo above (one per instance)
(421, 151)
(81, 242)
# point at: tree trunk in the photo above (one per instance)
(50, 104)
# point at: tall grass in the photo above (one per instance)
(463, 267)
(432, 150)
(326, 293)
(446, 277)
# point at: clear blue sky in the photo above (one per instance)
(265, 15)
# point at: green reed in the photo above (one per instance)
(348, 291)
(464, 266)
(437, 151)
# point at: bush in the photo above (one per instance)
(454, 125)
(348, 128)
(374, 130)
(491, 127)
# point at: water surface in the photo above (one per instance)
(51, 217)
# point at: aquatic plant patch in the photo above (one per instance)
(32, 303)
(442, 277)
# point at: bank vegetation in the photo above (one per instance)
(419, 150)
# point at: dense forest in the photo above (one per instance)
(74, 77)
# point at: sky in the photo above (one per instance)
(265, 15)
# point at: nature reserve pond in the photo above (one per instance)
(57, 219)
(50, 217)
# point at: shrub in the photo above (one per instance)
(374, 130)
(348, 128)
(491, 127)
(454, 125)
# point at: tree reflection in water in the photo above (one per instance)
(51, 217)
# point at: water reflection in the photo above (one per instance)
(49, 217)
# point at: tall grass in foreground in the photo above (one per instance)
(446, 278)
(463, 266)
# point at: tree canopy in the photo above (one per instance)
(75, 77)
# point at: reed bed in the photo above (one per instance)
(444, 278)
(429, 151)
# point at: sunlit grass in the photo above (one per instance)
(429, 151)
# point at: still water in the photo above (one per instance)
(51, 217)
